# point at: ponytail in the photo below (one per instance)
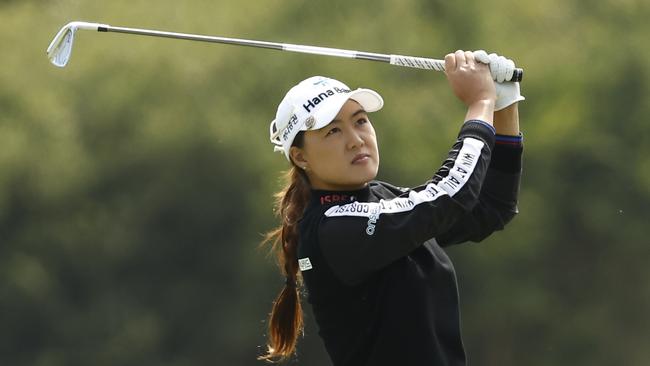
(285, 320)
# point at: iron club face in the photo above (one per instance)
(60, 48)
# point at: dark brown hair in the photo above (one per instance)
(285, 322)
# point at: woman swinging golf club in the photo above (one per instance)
(370, 254)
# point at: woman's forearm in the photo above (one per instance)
(506, 121)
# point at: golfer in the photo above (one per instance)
(370, 254)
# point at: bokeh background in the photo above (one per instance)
(136, 183)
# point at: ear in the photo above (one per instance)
(297, 155)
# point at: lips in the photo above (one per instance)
(360, 158)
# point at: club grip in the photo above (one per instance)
(437, 65)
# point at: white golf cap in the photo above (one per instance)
(313, 104)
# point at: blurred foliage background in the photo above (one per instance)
(136, 183)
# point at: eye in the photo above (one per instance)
(333, 131)
(362, 121)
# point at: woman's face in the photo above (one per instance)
(342, 155)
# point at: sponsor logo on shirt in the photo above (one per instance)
(333, 198)
(372, 220)
(304, 264)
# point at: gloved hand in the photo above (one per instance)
(507, 94)
(501, 69)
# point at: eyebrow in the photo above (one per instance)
(359, 111)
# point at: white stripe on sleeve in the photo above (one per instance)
(458, 176)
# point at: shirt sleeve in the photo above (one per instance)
(497, 203)
(359, 238)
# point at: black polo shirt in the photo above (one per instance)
(382, 289)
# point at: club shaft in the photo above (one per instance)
(399, 60)
(252, 43)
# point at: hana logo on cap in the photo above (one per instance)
(313, 104)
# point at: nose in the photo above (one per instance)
(355, 140)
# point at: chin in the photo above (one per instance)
(367, 175)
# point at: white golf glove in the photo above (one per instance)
(502, 69)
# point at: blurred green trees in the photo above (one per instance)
(135, 184)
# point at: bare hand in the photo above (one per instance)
(470, 80)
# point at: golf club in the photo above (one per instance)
(60, 48)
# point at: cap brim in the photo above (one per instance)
(369, 100)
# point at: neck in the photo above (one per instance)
(338, 187)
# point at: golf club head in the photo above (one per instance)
(60, 48)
